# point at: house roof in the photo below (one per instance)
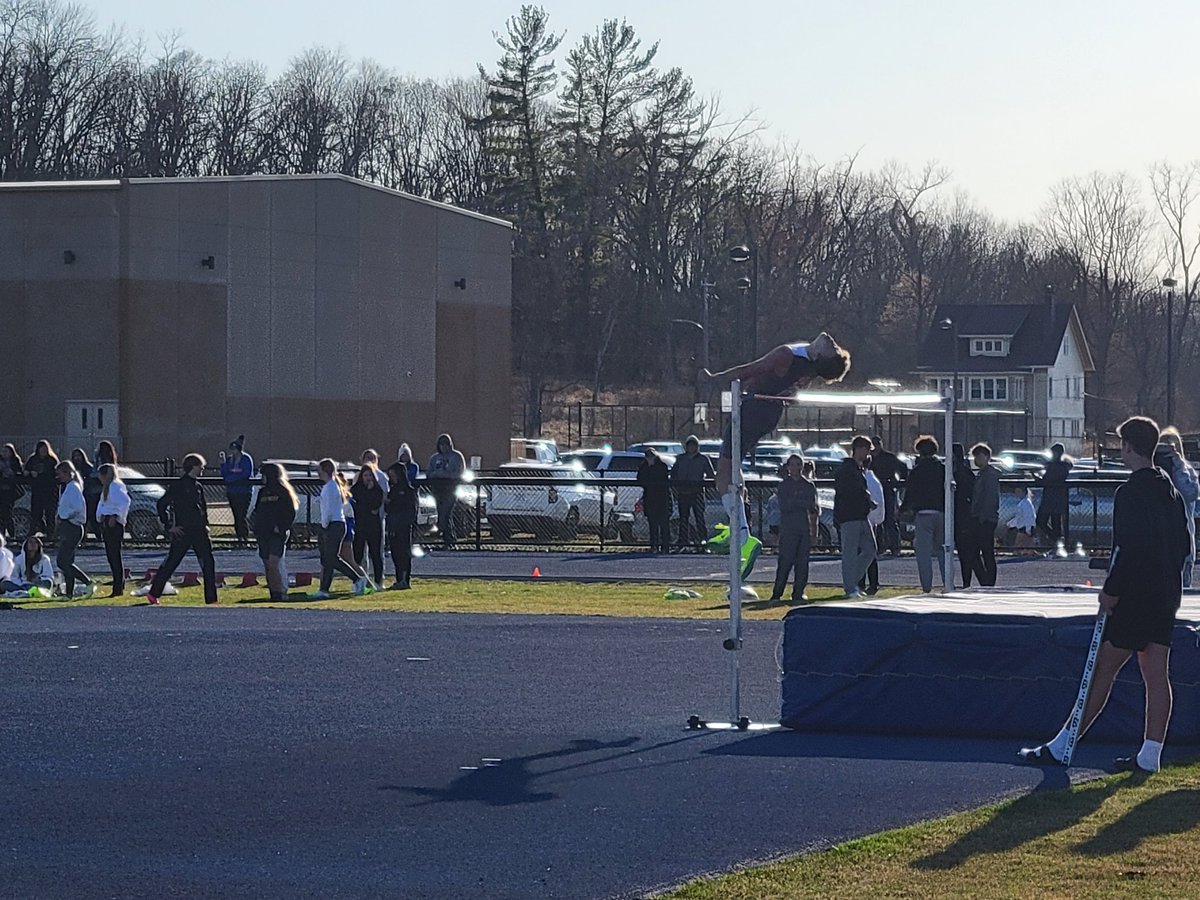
(1036, 337)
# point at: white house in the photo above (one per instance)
(1021, 372)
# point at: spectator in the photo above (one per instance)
(1024, 523)
(112, 510)
(236, 471)
(184, 515)
(869, 583)
(1054, 509)
(1168, 456)
(334, 496)
(106, 454)
(367, 496)
(890, 472)
(6, 564)
(655, 480)
(91, 488)
(798, 511)
(274, 514)
(925, 497)
(689, 476)
(964, 492)
(985, 515)
(43, 491)
(401, 520)
(31, 569)
(445, 471)
(852, 505)
(71, 519)
(12, 469)
(404, 455)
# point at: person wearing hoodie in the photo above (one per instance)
(401, 520)
(236, 471)
(112, 511)
(1141, 596)
(444, 473)
(184, 515)
(925, 498)
(1169, 457)
(689, 476)
(852, 505)
(69, 528)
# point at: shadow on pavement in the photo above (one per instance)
(1175, 812)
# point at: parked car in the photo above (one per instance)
(1020, 461)
(142, 523)
(555, 511)
(616, 465)
(671, 448)
(714, 511)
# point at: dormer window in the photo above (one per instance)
(989, 346)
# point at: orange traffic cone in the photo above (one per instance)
(537, 573)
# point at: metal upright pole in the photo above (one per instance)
(1170, 351)
(734, 642)
(948, 488)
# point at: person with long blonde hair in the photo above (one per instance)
(334, 498)
(69, 528)
(274, 514)
(112, 511)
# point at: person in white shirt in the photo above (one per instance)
(1024, 523)
(875, 518)
(6, 561)
(31, 568)
(112, 511)
(333, 532)
(72, 518)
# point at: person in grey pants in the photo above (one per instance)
(797, 497)
(852, 504)
(925, 497)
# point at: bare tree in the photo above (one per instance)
(308, 102)
(239, 115)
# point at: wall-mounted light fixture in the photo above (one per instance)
(68, 257)
(209, 262)
(461, 284)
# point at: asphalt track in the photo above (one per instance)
(614, 566)
(199, 752)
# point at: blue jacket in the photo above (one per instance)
(237, 475)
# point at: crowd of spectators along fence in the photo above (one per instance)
(494, 511)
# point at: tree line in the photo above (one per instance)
(629, 190)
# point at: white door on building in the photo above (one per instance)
(91, 421)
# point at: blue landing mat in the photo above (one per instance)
(973, 664)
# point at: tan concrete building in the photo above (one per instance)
(314, 314)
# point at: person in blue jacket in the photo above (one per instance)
(236, 470)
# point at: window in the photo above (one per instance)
(1001, 388)
(1019, 389)
(83, 415)
(989, 347)
(989, 388)
(976, 388)
(1050, 388)
(99, 418)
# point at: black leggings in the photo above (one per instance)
(400, 546)
(368, 535)
(332, 536)
(114, 536)
(198, 543)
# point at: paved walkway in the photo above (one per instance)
(291, 753)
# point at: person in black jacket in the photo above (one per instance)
(689, 475)
(925, 498)
(1053, 517)
(655, 481)
(367, 496)
(964, 494)
(1141, 596)
(401, 509)
(852, 504)
(274, 514)
(891, 473)
(12, 471)
(184, 514)
(43, 489)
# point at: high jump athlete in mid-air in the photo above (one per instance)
(776, 374)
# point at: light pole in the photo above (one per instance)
(1169, 284)
(950, 325)
(749, 286)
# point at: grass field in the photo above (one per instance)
(1122, 836)
(484, 596)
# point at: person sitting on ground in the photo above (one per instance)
(274, 514)
(32, 568)
(1024, 523)
(925, 497)
(6, 562)
(778, 372)
(985, 515)
(1141, 597)
(401, 520)
(69, 528)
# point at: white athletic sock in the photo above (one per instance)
(737, 513)
(1150, 756)
(1058, 746)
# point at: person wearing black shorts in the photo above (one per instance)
(274, 514)
(1141, 596)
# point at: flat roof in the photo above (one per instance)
(115, 184)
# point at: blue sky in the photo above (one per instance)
(1011, 97)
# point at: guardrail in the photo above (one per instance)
(495, 512)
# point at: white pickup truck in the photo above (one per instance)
(550, 511)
